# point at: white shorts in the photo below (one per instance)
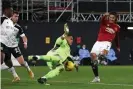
(99, 46)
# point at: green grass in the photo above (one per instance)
(112, 77)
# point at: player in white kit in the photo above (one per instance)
(9, 44)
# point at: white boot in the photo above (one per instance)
(96, 79)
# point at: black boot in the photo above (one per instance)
(42, 80)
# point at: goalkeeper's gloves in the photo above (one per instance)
(66, 29)
(71, 58)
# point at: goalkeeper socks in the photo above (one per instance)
(49, 64)
(95, 69)
(12, 70)
(44, 57)
(52, 74)
(26, 65)
(49, 58)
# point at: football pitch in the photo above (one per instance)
(112, 77)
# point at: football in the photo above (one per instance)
(69, 66)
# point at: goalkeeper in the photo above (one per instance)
(58, 57)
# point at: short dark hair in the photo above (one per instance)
(113, 13)
(15, 12)
(69, 34)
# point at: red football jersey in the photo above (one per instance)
(104, 35)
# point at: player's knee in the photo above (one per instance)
(93, 56)
(104, 52)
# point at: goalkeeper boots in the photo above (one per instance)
(43, 81)
(33, 57)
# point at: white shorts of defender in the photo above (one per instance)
(99, 46)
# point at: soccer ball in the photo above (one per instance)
(69, 66)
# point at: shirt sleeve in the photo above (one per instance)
(21, 31)
(59, 41)
(3, 19)
(104, 20)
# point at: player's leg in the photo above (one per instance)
(17, 54)
(51, 74)
(40, 57)
(94, 61)
(2, 54)
(99, 50)
(94, 65)
(102, 57)
(52, 61)
(105, 47)
(2, 57)
(10, 67)
(8, 63)
(48, 58)
(50, 65)
(25, 64)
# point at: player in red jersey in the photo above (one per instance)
(109, 31)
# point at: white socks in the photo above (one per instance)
(26, 65)
(12, 70)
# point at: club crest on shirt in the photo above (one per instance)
(108, 25)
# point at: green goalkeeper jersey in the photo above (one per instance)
(61, 48)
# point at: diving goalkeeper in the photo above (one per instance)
(57, 58)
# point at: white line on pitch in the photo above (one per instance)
(108, 84)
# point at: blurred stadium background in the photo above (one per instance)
(43, 22)
(44, 19)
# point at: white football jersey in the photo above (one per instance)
(9, 32)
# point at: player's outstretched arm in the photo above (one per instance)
(66, 31)
(59, 40)
(106, 14)
(104, 18)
